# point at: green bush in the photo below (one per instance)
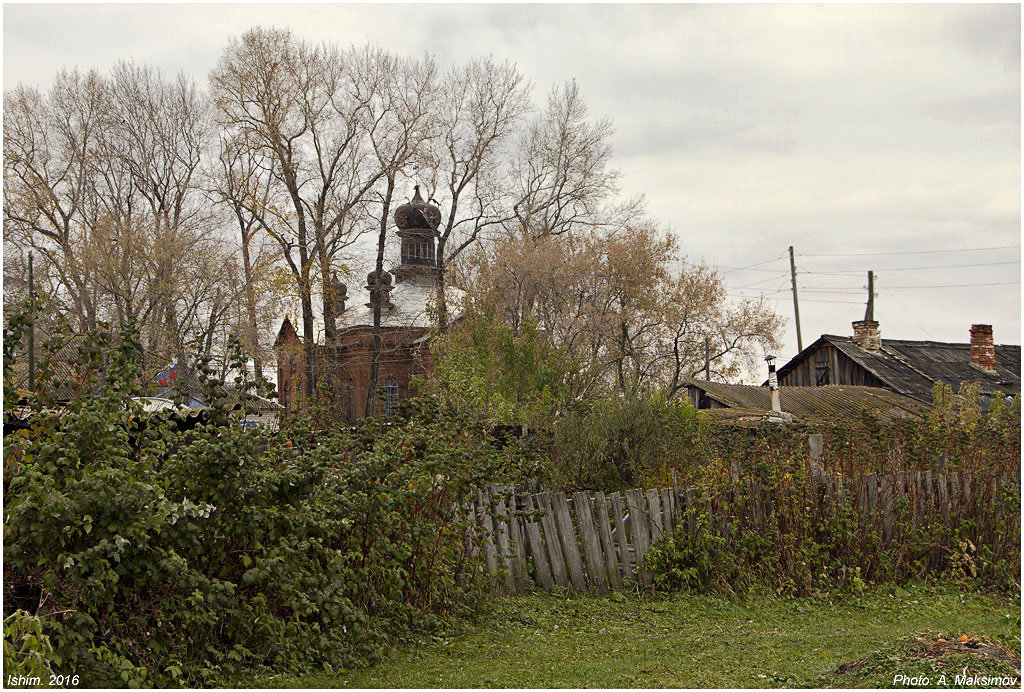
(810, 543)
(614, 444)
(160, 557)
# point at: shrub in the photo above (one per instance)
(161, 557)
(794, 538)
(622, 443)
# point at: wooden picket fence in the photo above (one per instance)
(595, 541)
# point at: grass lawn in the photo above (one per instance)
(701, 641)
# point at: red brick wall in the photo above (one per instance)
(400, 360)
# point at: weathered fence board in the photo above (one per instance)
(607, 546)
(639, 533)
(501, 531)
(621, 539)
(666, 510)
(484, 517)
(589, 540)
(538, 540)
(570, 547)
(541, 566)
(552, 541)
(654, 512)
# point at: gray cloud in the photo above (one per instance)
(835, 128)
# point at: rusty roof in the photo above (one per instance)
(843, 401)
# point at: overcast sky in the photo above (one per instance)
(834, 129)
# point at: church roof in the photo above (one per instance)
(414, 302)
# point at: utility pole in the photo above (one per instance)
(869, 313)
(796, 302)
(31, 328)
(707, 358)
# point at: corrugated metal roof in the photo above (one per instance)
(844, 401)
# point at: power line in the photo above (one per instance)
(736, 269)
(911, 269)
(913, 252)
(994, 283)
(756, 264)
(909, 313)
(761, 281)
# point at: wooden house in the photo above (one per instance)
(911, 368)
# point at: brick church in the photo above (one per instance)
(406, 320)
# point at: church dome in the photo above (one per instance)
(417, 214)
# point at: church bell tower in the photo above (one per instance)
(417, 223)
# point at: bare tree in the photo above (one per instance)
(241, 181)
(306, 108)
(399, 125)
(562, 172)
(479, 107)
(48, 185)
(157, 130)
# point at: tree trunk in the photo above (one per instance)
(250, 305)
(371, 394)
(442, 305)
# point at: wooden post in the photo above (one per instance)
(816, 443)
(666, 511)
(929, 492)
(518, 538)
(638, 528)
(589, 540)
(621, 538)
(469, 514)
(888, 493)
(918, 499)
(607, 546)
(954, 495)
(501, 533)
(657, 527)
(943, 489)
(483, 509)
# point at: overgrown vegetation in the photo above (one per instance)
(640, 438)
(792, 537)
(136, 553)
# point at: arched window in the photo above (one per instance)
(389, 397)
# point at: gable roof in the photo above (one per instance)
(286, 333)
(913, 367)
(843, 401)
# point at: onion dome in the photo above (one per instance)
(379, 287)
(417, 215)
(339, 292)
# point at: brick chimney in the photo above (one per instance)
(983, 350)
(866, 335)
